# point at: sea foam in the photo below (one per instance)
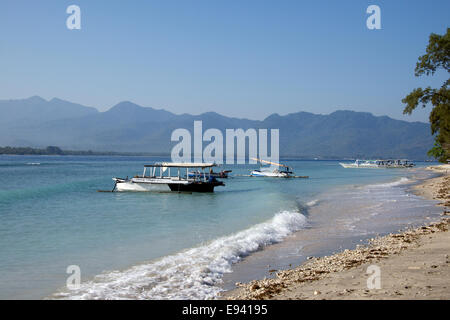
(195, 273)
(402, 180)
(312, 203)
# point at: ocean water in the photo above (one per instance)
(180, 245)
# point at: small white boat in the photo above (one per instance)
(270, 173)
(157, 177)
(361, 164)
(282, 171)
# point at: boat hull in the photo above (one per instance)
(140, 187)
(195, 187)
(257, 173)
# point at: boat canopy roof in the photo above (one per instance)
(181, 165)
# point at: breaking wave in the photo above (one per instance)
(398, 182)
(191, 274)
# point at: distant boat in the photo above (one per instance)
(157, 177)
(282, 171)
(392, 163)
(361, 164)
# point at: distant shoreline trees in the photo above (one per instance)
(437, 57)
(55, 151)
(50, 150)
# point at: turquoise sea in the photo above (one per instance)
(181, 245)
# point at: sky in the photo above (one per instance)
(245, 59)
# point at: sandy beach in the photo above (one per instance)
(412, 264)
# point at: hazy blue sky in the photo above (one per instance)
(239, 58)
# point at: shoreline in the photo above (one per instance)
(413, 264)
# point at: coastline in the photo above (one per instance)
(413, 264)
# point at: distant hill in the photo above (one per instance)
(36, 109)
(128, 127)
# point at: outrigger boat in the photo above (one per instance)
(397, 163)
(157, 177)
(282, 171)
(361, 164)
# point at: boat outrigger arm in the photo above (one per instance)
(157, 177)
(270, 162)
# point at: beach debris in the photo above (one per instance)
(255, 286)
(376, 249)
(315, 269)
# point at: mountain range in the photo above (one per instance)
(128, 127)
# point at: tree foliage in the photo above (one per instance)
(437, 57)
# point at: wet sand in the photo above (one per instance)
(413, 264)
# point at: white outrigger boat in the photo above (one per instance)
(282, 171)
(157, 177)
(403, 163)
(361, 164)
